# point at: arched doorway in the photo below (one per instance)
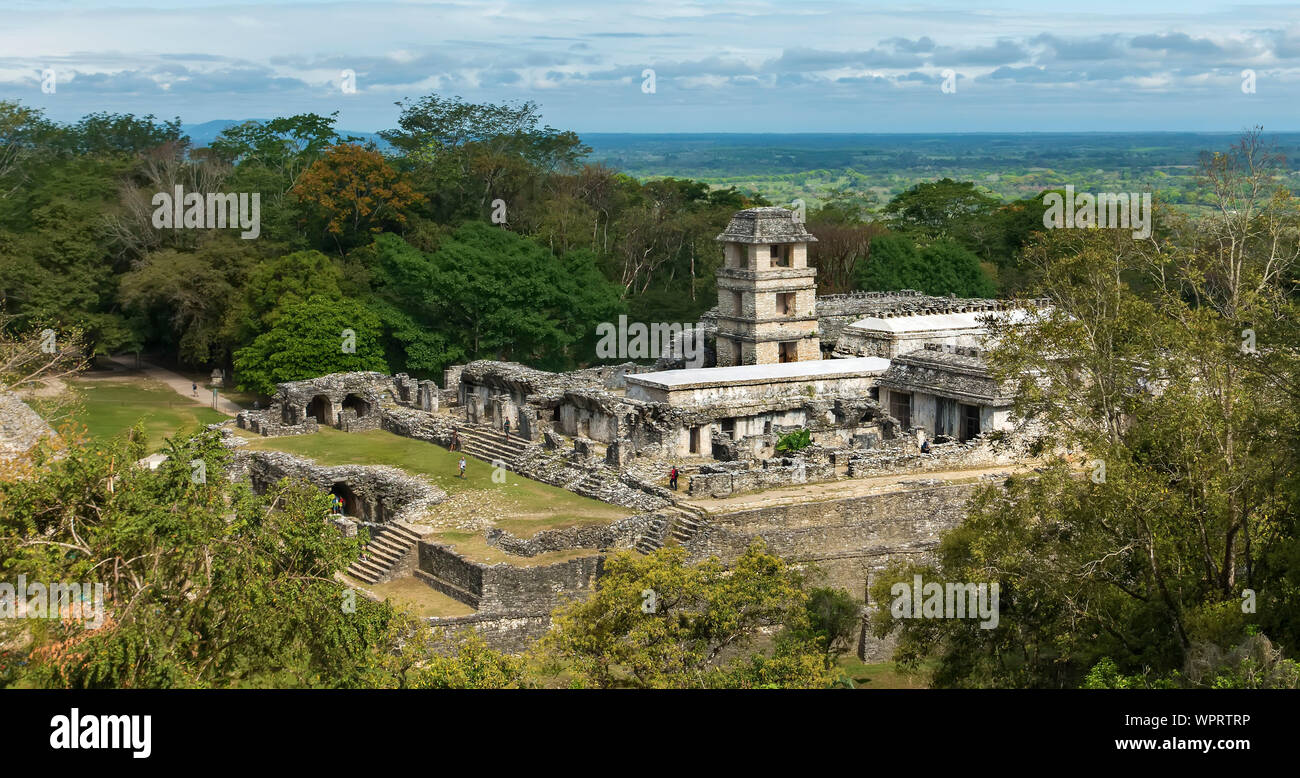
(357, 404)
(320, 409)
(353, 505)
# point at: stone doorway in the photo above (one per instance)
(358, 404)
(321, 409)
(352, 504)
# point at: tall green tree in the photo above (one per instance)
(205, 584)
(500, 295)
(311, 338)
(940, 268)
(1162, 384)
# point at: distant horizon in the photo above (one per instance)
(678, 66)
(1266, 130)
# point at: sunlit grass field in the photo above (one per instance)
(106, 408)
(520, 505)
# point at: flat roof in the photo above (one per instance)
(928, 322)
(760, 374)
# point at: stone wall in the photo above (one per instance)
(504, 588)
(450, 573)
(902, 455)
(20, 427)
(620, 534)
(513, 634)
(726, 479)
(383, 494)
(842, 543)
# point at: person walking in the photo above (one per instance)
(507, 430)
(455, 439)
(672, 478)
(194, 389)
(462, 467)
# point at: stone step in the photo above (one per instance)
(488, 452)
(492, 436)
(400, 530)
(386, 558)
(491, 453)
(492, 432)
(365, 571)
(383, 552)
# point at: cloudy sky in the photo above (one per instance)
(719, 65)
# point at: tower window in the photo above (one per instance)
(738, 302)
(785, 304)
(780, 255)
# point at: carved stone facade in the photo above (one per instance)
(945, 392)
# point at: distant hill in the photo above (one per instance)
(872, 168)
(203, 134)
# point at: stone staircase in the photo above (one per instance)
(386, 549)
(687, 522)
(674, 524)
(490, 445)
(595, 482)
(653, 539)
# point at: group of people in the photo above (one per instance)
(336, 505)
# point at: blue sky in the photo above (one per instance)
(720, 65)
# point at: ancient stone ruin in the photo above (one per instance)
(887, 388)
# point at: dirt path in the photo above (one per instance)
(182, 385)
(853, 487)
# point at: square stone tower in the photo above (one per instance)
(767, 294)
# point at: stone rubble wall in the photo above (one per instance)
(21, 428)
(843, 543)
(510, 633)
(504, 588)
(620, 534)
(726, 479)
(902, 455)
(388, 494)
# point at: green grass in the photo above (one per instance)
(884, 675)
(532, 505)
(109, 407)
(417, 598)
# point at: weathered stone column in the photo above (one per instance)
(528, 424)
(427, 396)
(451, 377)
(504, 408)
(619, 453)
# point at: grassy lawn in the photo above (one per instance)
(228, 391)
(885, 675)
(111, 406)
(416, 597)
(518, 504)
